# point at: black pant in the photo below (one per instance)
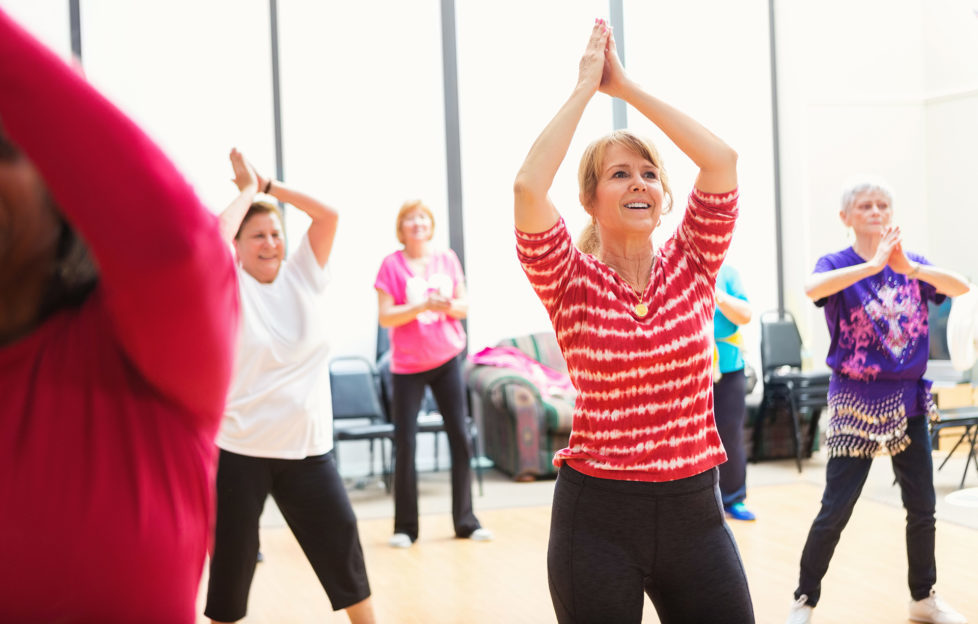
(312, 498)
(408, 390)
(844, 480)
(729, 411)
(610, 540)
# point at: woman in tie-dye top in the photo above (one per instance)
(875, 298)
(636, 504)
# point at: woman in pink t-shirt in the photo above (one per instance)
(421, 299)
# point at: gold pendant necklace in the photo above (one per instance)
(641, 309)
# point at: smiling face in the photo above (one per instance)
(416, 225)
(868, 212)
(628, 197)
(261, 247)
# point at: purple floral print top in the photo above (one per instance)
(878, 355)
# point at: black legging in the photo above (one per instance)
(408, 393)
(611, 540)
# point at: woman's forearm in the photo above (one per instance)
(396, 315)
(533, 210)
(736, 310)
(946, 282)
(322, 230)
(459, 308)
(230, 218)
(821, 285)
(716, 160)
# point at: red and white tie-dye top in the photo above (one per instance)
(644, 411)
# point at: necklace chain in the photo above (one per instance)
(641, 309)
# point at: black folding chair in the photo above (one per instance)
(966, 417)
(783, 379)
(429, 418)
(358, 414)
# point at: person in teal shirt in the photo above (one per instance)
(729, 389)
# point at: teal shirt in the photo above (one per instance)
(731, 359)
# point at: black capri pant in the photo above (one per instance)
(611, 540)
(311, 496)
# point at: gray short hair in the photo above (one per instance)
(863, 184)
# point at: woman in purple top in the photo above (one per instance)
(875, 298)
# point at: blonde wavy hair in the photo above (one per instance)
(589, 172)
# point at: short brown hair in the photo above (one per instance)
(75, 273)
(408, 207)
(259, 208)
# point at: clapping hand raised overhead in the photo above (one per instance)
(600, 68)
(244, 174)
(591, 69)
(613, 78)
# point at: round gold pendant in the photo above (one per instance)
(641, 309)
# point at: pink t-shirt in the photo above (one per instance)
(433, 338)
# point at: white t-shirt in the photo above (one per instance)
(279, 403)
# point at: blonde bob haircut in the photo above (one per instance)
(589, 172)
(409, 207)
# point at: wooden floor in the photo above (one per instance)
(444, 580)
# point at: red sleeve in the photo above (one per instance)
(707, 228)
(166, 279)
(549, 260)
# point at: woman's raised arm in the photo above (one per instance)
(716, 160)
(322, 230)
(166, 280)
(534, 212)
(246, 180)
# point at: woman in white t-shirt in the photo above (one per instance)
(421, 299)
(276, 435)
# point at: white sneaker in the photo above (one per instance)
(400, 540)
(934, 610)
(481, 535)
(800, 613)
